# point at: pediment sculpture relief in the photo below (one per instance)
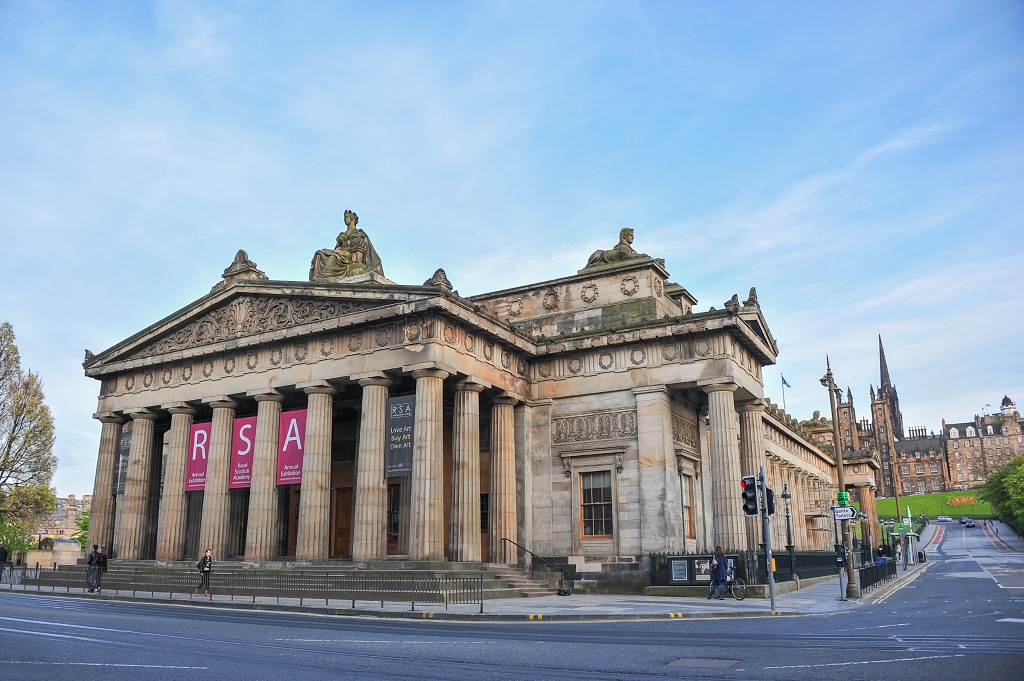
(353, 254)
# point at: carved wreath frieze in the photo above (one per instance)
(251, 315)
(551, 301)
(589, 293)
(657, 287)
(630, 285)
(588, 427)
(515, 307)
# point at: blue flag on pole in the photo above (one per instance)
(784, 382)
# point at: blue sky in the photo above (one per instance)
(861, 164)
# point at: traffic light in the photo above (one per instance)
(770, 500)
(749, 485)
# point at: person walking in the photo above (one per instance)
(719, 573)
(93, 561)
(3, 559)
(204, 566)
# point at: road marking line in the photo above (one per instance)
(844, 664)
(100, 664)
(1011, 619)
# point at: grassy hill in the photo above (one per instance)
(934, 505)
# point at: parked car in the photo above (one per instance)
(969, 523)
(944, 519)
(963, 520)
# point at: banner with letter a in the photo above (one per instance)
(398, 453)
(197, 456)
(291, 444)
(242, 444)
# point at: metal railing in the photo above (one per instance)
(378, 586)
(881, 572)
(562, 591)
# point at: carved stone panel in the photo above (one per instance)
(684, 433)
(589, 427)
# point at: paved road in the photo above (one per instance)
(960, 616)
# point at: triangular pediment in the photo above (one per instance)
(252, 311)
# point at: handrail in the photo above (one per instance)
(561, 571)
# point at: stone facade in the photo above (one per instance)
(593, 418)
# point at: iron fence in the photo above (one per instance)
(881, 572)
(378, 586)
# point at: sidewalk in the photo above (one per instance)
(820, 598)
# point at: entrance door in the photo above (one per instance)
(341, 544)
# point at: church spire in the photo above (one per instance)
(886, 383)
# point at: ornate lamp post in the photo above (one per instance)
(787, 496)
(852, 590)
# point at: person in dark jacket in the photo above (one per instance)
(101, 562)
(92, 572)
(204, 566)
(719, 573)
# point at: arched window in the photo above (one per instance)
(970, 431)
(954, 433)
(989, 430)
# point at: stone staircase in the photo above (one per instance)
(499, 580)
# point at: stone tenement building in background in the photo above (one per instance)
(592, 419)
(61, 523)
(974, 449)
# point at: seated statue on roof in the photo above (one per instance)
(352, 254)
(622, 251)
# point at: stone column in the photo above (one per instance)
(101, 517)
(661, 509)
(370, 525)
(502, 495)
(140, 466)
(263, 535)
(426, 517)
(752, 457)
(170, 534)
(213, 532)
(804, 541)
(730, 529)
(464, 534)
(313, 541)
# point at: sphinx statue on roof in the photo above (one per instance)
(618, 253)
(352, 255)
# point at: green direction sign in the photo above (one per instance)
(899, 526)
(843, 498)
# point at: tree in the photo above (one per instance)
(1004, 490)
(26, 440)
(81, 534)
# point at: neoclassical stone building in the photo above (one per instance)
(595, 418)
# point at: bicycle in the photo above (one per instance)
(735, 586)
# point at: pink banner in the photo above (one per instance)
(242, 444)
(198, 452)
(290, 446)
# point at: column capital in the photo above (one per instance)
(221, 402)
(720, 387)
(504, 400)
(752, 405)
(430, 373)
(143, 414)
(266, 395)
(474, 385)
(110, 417)
(317, 388)
(650, 389)
(375, 378)
(180, 408)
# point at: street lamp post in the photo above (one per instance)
(786, 496)
(852, 590)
